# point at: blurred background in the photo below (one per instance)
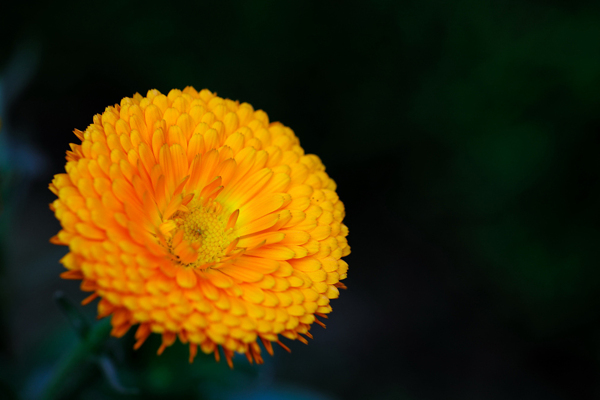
(464, 138)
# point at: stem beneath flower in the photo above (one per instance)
(88, 347)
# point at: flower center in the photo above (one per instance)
(205, 230)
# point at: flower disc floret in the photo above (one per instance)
(195, 217)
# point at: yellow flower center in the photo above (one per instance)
(205, 229)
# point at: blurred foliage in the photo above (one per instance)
(463, 136)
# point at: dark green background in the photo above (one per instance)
(463, 136)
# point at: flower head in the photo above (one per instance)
(195, 217)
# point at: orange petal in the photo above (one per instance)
(261, 205)
(258, 225)
(241, 273)
(186, 278)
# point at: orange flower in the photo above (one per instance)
(194, 216)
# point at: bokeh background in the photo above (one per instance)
(464, 138)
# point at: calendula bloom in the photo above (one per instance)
(195, 217)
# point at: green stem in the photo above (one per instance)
(89, 346)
